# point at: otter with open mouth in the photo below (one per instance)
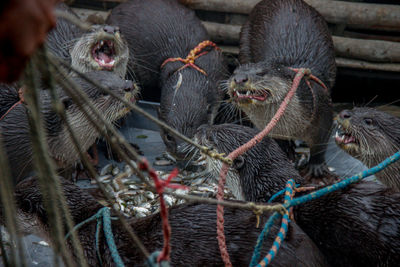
(190, 90)
(193, 238)
(14, 125)
(100, 48)
(371, 136)
(279, 37)
(355, 226)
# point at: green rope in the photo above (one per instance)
(152, 260)
(102, 217)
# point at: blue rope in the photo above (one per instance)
(314, 195)
(260, 239)
(278, 194)
(342, 184)
(105, 214)
(152, 260)
(98, 227)
(110, 237)
(256, 254)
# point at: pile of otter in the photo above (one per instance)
(160, 48)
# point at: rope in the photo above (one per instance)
(152, 260)
(290, 203)
(344, 183)
(194, 54)
(103, 213)
(326, 90)
(289, 193)
(160, 185)
(300, 73)
(21, 100)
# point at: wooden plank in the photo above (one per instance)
(340, 62)
(361, 15)
(369, 50)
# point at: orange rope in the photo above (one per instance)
(194, 54)
(300, 73)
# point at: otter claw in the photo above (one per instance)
(319, 174)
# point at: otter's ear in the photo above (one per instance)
(66, 101)
(238, 163)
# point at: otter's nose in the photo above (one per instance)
(345, 114)
(240, 78)
(111, 29)
(128, 86)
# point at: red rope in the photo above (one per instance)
(21, 100)
(194, 54)
(160, 186)
(300, 73)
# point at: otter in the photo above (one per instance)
(278, 36)
(14, 125)
(193, 239)
(356, 226)
(100, 48)
(189, 96)
(371, 136)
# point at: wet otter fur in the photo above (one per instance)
(356, 226)
(188, 97)
(14, 126)
(279, 35)
(193, 240)
(371, 136)
(100, 48)
(8, 97)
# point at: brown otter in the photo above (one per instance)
(356, 226)
(280, 35)
(371, 136)
(14, 126)
(193, 240)
(100, 48)
(189, 98)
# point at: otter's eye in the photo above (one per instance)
(262, 73)
(169, 138)
(368, 121)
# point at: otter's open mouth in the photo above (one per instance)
(344, 138)
(246, 95)
(103, 53)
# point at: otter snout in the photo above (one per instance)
(111, 29)
(240, 78)
(129, 86)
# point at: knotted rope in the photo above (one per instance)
(194, 54)
(290, 203)
(289, 193)
(103, 218)
(160, 185)
(300, 73)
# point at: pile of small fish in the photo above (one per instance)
(134, 199)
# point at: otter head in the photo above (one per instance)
(187, 101)
(257, 174)
(259, 84)
(112, 109)
(368, 134)
(103, 48)
(31, 214)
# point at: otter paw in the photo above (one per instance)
(319, 174)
